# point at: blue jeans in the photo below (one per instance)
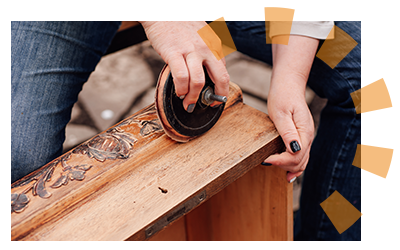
(50, 61)
(333, 150)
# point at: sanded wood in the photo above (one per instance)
(257, 207)
(176, 231)
(254, 207)
(127, 179)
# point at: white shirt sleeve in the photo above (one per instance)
(314, 29)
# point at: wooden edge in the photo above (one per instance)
(289, 202)
(237, 171)
(61, 185)
(209, 176)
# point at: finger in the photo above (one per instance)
(296, 172)
(291, 177)
(219, 75)
(288, 161)
(180, 74)
(196, 81)
(285, 160)
(287, 130)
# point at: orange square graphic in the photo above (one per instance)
(341, 212)
(333, 51)
(218, 38)
(278, 24)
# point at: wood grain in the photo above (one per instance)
(251, 208)
(120, 198)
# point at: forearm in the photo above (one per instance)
(292, 63)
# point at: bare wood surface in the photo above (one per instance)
(254, 207)
(123, 181)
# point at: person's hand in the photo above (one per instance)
(287, 107)
(182, 48)
(288, 110)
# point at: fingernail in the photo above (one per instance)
(292, 180)
(266, 164)
(190, 108)
(294, 145)
(182, 97)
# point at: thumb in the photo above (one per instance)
(287, 130)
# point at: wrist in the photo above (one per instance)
(292, 64)
(287, 84)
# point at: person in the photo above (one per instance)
(333, 150)
(52, 60)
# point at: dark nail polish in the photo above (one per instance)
(294, 145)
(266, 164)
(190, 108)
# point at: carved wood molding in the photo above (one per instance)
(113, 144)
(128, 177)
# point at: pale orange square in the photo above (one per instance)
(333, 51)
(278, 24)
(375, 96)
(341, 212)
(218, 38)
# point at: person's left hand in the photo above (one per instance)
(287, 107)
(288, 110)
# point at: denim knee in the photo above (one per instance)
(50, 61)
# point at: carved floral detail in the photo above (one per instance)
(37, 181)
(19, 202)
(149, 127)
(71, 173)
(113, 144)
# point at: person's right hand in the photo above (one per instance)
(182, 48)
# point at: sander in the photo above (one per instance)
(177, 123)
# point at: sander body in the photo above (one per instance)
(177, 123)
